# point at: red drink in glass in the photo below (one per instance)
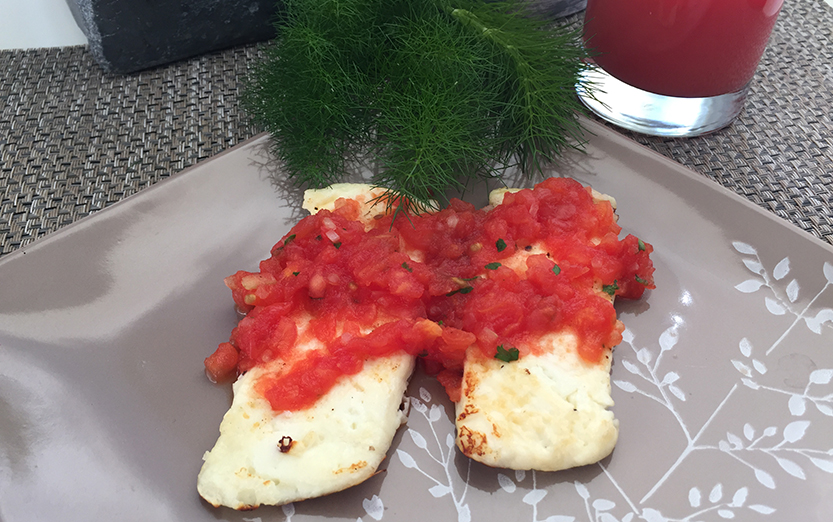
(691, 48)
(674, 67)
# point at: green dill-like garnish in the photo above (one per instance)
(436, 93)
(295, 273)
(556, 269)
(493, 266)
(640, 244)
(406, 267)
(611, 288)
(500, 244)
(505, 355)
(641, 281)
(337, 244)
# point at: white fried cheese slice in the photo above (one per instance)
(263, 457)
(546, 412)
(367, 195)
(268, 458)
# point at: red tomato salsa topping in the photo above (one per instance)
(542, 261)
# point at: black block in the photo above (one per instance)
(130, 35)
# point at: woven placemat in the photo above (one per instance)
(74, 139)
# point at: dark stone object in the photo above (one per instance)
(130, 35)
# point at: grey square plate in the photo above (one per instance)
(723, 385)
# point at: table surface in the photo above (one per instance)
(74, 139)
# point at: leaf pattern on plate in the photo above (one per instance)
(440, 453)
(784, 297)
(766, 453)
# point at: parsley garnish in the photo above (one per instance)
(337, 244)
(505, 355)
(464, 290)
(493, 266)
(286, 241)
(610, 289)
(295, 273)
(641, 281)
(641, 245)
(556, 269)
(406, 267)
(501, 245)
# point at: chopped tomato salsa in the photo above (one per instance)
(433, 285)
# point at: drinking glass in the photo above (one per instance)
(673, 67)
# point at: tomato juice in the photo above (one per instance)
(681, 48)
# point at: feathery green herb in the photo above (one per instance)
(437, 93)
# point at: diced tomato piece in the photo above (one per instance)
(433, 285)
(221, 365)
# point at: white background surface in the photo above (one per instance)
(26, 24)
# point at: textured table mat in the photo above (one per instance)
(74, 139)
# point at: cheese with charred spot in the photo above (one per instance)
(546, 412)
(264, 457)
(267, 458)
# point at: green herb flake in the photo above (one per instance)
(501, 245)
(505, 355)
(295, 273)
(641, 245)
(406, 267)
(556, 269)
(641, 281)
(464, 290)
(337, 244)
(493, 266)
(610, 289)
(288, 239)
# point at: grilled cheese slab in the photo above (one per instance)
(548, 411)
(545, 412)
(268, 458)
(264, 457)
